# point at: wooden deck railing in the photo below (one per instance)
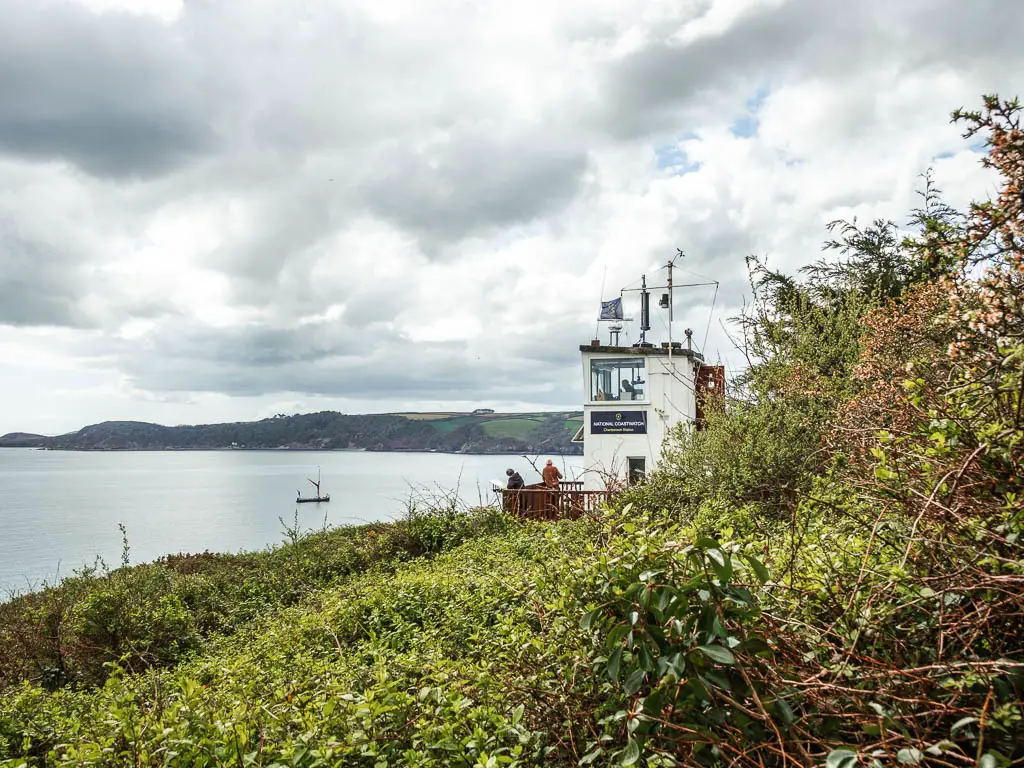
(537, 502)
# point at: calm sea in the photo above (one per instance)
(60, 510)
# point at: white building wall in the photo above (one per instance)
(670, 400)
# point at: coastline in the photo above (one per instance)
(299, 449)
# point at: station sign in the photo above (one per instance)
(618, 422)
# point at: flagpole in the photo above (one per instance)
(670, 302)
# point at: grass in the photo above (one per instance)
(427, 416)
(516, 427)
(444, 426)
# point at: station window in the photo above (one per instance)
(637, 468)
(618, 379)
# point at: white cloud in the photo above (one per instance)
(165, 10)
(212, 210)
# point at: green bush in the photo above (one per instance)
(155, 615)
(135, 617)
(420, 666)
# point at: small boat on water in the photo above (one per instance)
(313, 499)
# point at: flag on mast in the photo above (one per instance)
(611, 310)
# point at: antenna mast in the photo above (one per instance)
(665, 302)
(668, 266)
(645, 309)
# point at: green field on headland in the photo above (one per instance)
(830, 572)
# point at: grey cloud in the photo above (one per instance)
(110, 93)
(965, 34)
(23, 303)
(322, 359)
(40, 284)
(103, 145)
(646, 89)
(287, 226)
(472, 180)
(667, 85)
(375, 305)
(258, 346)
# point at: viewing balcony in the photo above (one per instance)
(538, 502)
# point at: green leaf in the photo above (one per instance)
(591, 756)
(841, 758)
(631, 753)
(614, 662)
(942, 746)
(718, 653)
(785, 711)
(911, 756)
(661, 599)
(720, 563)
(759, 570)
(963, 722)
(656, 702)
(633, 682)
(720, 680)
(615, 637)
(646, 659)
(588, 618)
(992, 760)
(633, 590)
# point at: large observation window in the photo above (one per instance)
(618, 379)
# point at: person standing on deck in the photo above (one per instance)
(515, 480)
(515, 484)
(551, 475)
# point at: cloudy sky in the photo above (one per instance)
(214, 210)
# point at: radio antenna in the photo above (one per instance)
(645, 309)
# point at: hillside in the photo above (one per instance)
(20, 439)
(548, 432)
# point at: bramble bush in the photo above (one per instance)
(878, 474)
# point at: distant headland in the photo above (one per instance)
(482, 431)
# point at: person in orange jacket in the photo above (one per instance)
(551, 475)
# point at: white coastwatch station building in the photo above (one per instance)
(633, 396)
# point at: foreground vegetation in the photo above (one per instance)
(830, 573)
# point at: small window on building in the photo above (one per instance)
(618, 379)
(637, 467)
